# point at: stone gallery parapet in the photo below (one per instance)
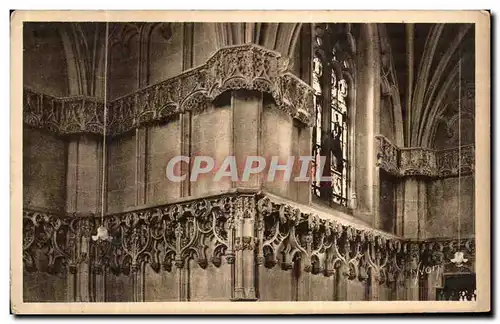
(243, 67)
(244, 229)
(404, 162)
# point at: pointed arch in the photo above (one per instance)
(281, 37)
(437, 76)
(422, 77)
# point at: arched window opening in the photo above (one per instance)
(332, 82)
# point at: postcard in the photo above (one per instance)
(250, 162)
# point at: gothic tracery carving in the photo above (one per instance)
(208, 230)
(324, 246)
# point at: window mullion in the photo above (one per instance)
(326, 187)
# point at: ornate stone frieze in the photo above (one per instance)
(417, 162)
(243, 229)
(52, 242)
(243, 67)
(161, 237)
(424, 162)
(450, 161)
(62, 115)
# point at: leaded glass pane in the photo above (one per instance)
(333, 141)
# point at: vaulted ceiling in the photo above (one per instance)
(440, 53)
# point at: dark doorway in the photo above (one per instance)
(458, 288)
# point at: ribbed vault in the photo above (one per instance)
(281, 37)
(435, 75)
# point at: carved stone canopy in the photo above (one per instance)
(248, 67)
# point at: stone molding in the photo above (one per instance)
(404, 162)
(242, 67)
(250, 226)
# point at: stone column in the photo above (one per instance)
(341, 284)
(246, 112)
(415, 209)
(83, 198)
(244, 250)
(373, 285)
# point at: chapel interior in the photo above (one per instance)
(107, 105)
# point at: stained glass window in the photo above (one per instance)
(332, 82)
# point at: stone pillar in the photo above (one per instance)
(244, 250)
(341, 284)
(247, 111)
(79, 275)
(410, 37)
(412, 281)
(83, 197)
(138, 277)
(303, 282)
(302, 135)
(99, 285)
(140, 165)
(414, 209)
(373, 285)
(342, 272)
(185, 122)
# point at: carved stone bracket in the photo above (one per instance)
(248, 67)
(424, 162)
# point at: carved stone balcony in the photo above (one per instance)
(248, 67)
(424, 162)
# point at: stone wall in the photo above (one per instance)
(44, 170)
(443, 213)
(45, 67)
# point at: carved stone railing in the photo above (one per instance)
(388, 156)
(62, 115)
(424, 162)
(250, 226)
(242, 67)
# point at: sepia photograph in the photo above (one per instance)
(318, 161)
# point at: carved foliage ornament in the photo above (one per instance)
(248, 67)
(424, 162)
